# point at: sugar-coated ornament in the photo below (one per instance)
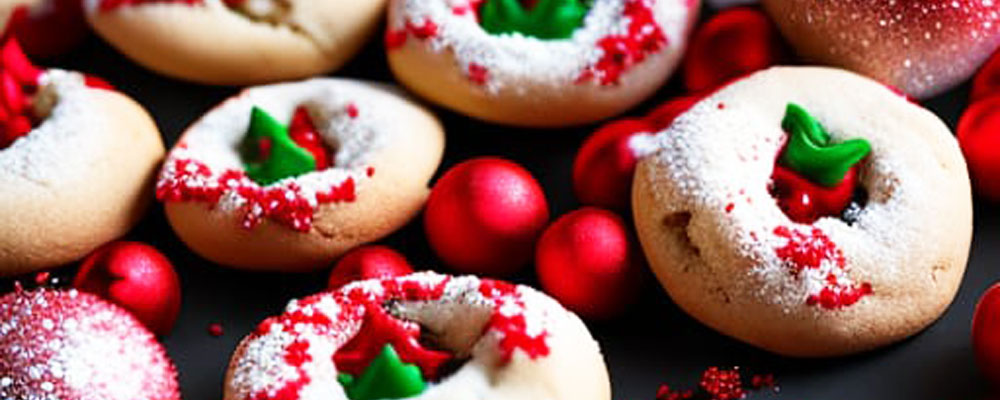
(589, 261)
(986, 333)
(136, 277)
(368, 262)
(921, 47)
(68, 345)
(484, 215)
(979, 135)
(731, 44)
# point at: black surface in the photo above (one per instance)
(654, 343)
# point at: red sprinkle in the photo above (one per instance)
(42, 278)
(621, 52)
(478, 74)
(718, 384)
(352, 110)
(810, 250)
(215, 329)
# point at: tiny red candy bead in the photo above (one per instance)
(484, 215)
(605, 164)
(588, 260)
(986, 334)
(136, 277)
(368, 262)
(731, 44)
(979, 136)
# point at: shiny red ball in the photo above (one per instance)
(731, 44)
(987, 80)
(484, 215)
(664, 114)
(979, 136)
(136, 277)
(589, 261)
(986, 334)
(603, 168)
(368, 262)
(50, 28)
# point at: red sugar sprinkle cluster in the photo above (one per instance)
(718, 384)
(810, 250)
(183, 180)
(395, 38)
(621, 52)
(18, 81)
(378, 327)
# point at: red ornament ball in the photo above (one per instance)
(605, 164)
(731, 44)
(136, 277)
(986, 334)
(987, 80)
(368, 262)
(589, 261)
(923, 47)
(71, 345)
(979, 136)
(48, 28)
(664, 114)
(484, 215)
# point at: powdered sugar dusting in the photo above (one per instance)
(70, 345)
(206, 165)
(715, 162)
(493, 319)
(515, 60)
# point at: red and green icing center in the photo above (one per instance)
(386, 358)
(272, 153)
(620, 52)
(19, 83)
(814, 177)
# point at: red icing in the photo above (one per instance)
(271, 202)
(478, 74)
(621, 52)
(810, 251)
(394, 38)
(804, 201)
(303, 132)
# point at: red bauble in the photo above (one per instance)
(987, 80)
(51, 28)
(923, 47)
(986, 334)
(136, 277)
(731, 44)
(368, 262)
(979, 136)
(589, 262)
(484, 215)
(664, 114)
(603, 168)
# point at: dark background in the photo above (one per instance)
(653, 343)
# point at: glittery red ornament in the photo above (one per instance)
(589, 261)
(731, 44)
(987, 80)
(979, 136)
(136, 277)
(484, 215)
(72, 346)
(986, 334)
(368, 262)
(922, 47)
(605, 164)
(49, 28)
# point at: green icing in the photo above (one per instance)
(810, 152)
(387, 377)
(284, 158)
(548, 19)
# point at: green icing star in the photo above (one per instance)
(548, 19)
(271, 152)
(387, 377)
(810, 153)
